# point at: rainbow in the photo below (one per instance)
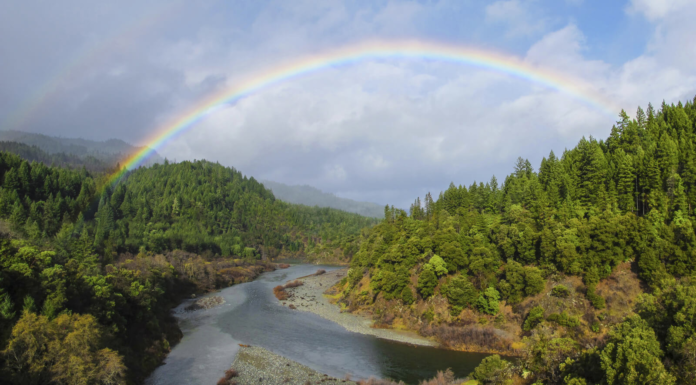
(372, 50)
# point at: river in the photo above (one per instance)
(251, 315)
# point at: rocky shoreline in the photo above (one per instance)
(255, 365)
(206, 303)
(310, 298)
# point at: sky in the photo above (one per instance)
(385, 130)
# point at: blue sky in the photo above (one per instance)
(384, 130)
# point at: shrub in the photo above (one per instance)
(407, 295)
(493, 370)
(294, 283)
(595, 327)
(560, 291)
(485, 337)
(564, 319)
(488, 301)
(460, 293)
(438, 265)
(227, 378)
(597, 300)
(280, 293)
(427, 281)
(535, 317)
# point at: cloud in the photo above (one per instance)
(657, 9)
(518, 16)
(385, 130)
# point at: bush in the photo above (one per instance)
(493, 370)
(535, 317)
(460, 293)
(294, 283)
(280, 293)
(407, 295)
(485, 337)
(564, 319)
(227, 378)
(427, 282)
(487, 301)
(560, 291)
(438, 265)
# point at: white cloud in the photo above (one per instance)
(390, 129)
(657, 9)
(517, 15)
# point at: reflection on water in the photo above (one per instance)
(253, 316)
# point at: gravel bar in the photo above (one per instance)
(256, 365)
(310, 298)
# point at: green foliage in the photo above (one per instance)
(67, 350)
(560, 291)
(6, 307)
(633, 355)
(427, 281)
(520, 281)
(564, 319)
(488, 301)
(671, 311)
(460, 293)
(74, 232)
(493, 370)
(439, 265)
(407, 295)
(545, 356)
(29, 305)
(535, 317)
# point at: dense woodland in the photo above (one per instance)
(583, 268)
(89, 271)
(550, 264)
(109, 151)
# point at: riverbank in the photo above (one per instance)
(255, 365)
(310, 297)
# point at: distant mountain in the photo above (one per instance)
(110, 151)
(59, 159)
(310, 196)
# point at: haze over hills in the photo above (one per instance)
(110, 151)
(311, 196)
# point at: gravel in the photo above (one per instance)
(256, 365)
(310, 298)
(206, 303)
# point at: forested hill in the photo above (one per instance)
(59, 159)
(544, 264)
(105, 265)
(110, 151)
(310, 196)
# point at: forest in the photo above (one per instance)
(583, 268)
(89, 270)
(578, 272)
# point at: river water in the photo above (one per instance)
(251, 315)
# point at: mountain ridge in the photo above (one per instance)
(312, 196)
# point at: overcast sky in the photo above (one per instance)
(384, 130)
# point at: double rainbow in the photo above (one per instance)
(494, 61)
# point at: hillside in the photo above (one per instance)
(310, 196)
(60, 159)
(552, 261)
(109, 151)
(109, 262)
